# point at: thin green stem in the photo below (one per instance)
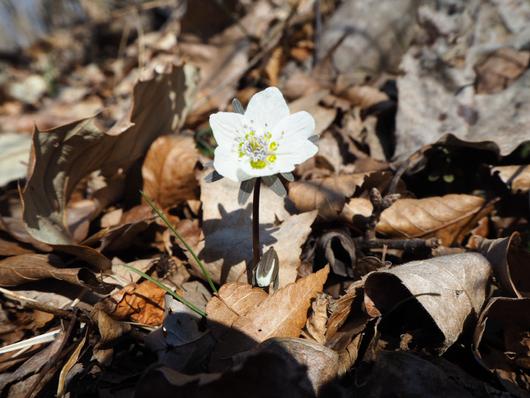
(163, 217)
(166, 289)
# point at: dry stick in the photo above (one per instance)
(400, 244)
(53, 359)
(255, 224)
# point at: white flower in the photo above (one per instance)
(266, 140)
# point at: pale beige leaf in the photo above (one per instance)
(233, 300)
(450, 288)
(446, 217)
(169, 170)
(284, 313)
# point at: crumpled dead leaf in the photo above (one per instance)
(143, 303)
(315, 327)
(502, 342)
(26, 268)
(226, 225)
(449, 288)
(510, 262)
(448, 217)
(338, 249)
(340, 309)
(61, 157)
(169, 170)
(282, 314)
(327, 195)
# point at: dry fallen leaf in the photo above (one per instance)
(450, 288)
(61, 157)
(26, 268)
(340, 309)
(233, 300)
(510, 262)
(448, 217)
(282, 314)
(315, 327)
(502, 342)
(143, 303)
(327, 195)
(168, 170)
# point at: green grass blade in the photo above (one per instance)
(166, 289)
(163, 217)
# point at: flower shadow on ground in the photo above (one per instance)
(228, 239)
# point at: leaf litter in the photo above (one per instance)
(402, 246)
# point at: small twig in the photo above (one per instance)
(399, 244)
(52, 361)
(255, 225)
(379, 204)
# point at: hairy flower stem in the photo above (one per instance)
(255, 224)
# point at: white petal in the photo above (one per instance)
(265, 109)
(225, 163)
(295, 151)
(283, 164)
(226, 127)
(299, 126)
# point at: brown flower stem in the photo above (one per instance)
(255, 224)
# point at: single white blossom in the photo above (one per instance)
(263, 141)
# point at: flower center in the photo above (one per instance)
(259, 150)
